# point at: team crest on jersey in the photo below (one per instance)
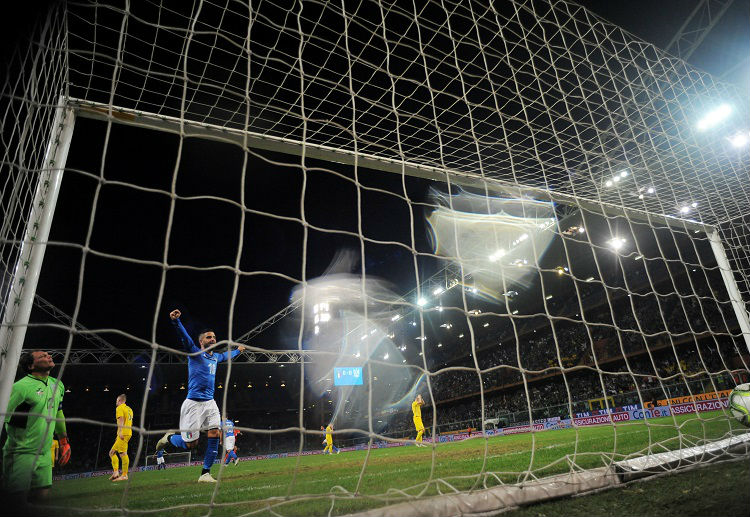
(39, 392)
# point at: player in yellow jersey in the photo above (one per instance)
(329, 440)
(55, 452)
(124, 416)
(416, 408)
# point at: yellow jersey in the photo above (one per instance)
(55, 446)
(416, 408)
(329, 436)
(124, 412)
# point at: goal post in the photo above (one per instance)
(25, 276)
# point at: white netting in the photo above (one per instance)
(507, 208)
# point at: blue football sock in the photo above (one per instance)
(177, 441)
(211, 452)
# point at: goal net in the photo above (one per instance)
(516, 210)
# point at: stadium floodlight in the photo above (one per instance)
(486, 325)
(385, 357)
(396, 317)
(714, 117)
(437, 291)
(623, 173)
(608, 183)
(439, 345)
(685, 209)
(740, 140)
(548, 297)
(650, 190)
(581, 229)
(616, 243)
(497, 255)
(422, 302)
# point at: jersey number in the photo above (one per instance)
(212, 368)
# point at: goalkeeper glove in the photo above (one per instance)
(64, 452)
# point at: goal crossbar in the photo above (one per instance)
(249, 139)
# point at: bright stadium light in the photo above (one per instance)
(616, 243)
(385, 357)
(740, 140)
(685, 209)
(714, 117)
(608, 183)
(396, 317)
(422, 302)
(623, 173)
(437, 291)
(581, 229)
(497, 255)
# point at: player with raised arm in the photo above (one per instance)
(229, 435)
(199, 410)
(27, 454)
(416, 409)
(329, 440)
(124, 417)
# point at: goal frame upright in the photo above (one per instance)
(25, 276)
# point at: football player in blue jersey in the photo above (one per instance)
(199, 410)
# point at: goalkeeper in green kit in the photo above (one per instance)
(27, 461)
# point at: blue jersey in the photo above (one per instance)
(160, 453)
(228, 428)
(201, 367)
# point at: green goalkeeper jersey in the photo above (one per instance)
(26, 433)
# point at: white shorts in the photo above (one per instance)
(159, 461)
(229, 443)
(196, 416)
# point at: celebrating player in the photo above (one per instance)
(416, 408)
(329, 440)
(124, 417)
(27, 454)
(229, 436)
(199, 410)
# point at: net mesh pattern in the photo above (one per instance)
(561, 259)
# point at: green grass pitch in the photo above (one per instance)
(317, 484)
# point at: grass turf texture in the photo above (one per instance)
(714, 489)
(391, 475)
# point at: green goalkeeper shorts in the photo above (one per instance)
(23, 472)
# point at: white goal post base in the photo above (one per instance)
(670, 460)
(507, 497)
